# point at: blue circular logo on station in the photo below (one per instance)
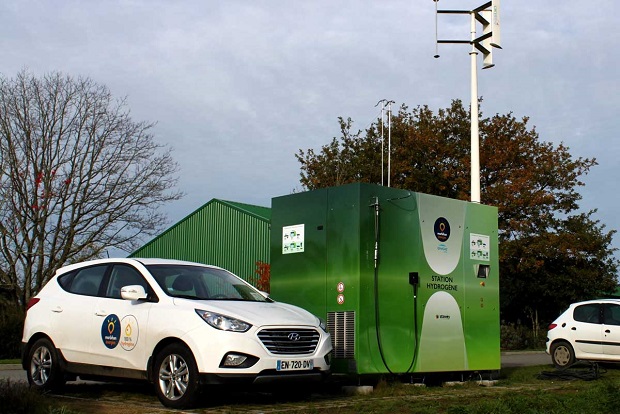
(111, 331)
(442, 229)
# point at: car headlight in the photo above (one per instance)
(322, 324)
(223, 322)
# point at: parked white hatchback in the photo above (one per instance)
(180, 325)
(588, 330)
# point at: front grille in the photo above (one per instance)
(289, 341)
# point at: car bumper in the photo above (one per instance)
(210, 347)
(266, 377)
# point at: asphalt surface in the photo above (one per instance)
(14, 372)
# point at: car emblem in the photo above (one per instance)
(294, 336)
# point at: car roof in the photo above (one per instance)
(134, 261)
(585, 302)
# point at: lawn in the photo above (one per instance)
(518, 390)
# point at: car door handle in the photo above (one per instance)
(607, 331)
(101, 313)
(57, 309)
(573, 329)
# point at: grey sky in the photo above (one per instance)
(237, 87)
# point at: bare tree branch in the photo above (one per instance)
(77, 176)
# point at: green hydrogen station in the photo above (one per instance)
(407, 282)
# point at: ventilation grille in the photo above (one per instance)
(289, 341)
(341, 326)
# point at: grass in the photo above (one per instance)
(519, 390)
(10, 361)
(18, 398)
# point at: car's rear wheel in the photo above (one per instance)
(176, 376)
(562, 354)
(44, 370)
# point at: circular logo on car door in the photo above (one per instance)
(111, 331)
(129, 335)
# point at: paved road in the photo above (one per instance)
(509, 359)
(525, 358)
(13, 372)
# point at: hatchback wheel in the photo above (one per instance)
(562, 354)
(176, 377)
(44, 370)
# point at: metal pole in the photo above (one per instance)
(475, 140)
(382, 140)
(389, 142)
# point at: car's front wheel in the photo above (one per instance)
(562, 354)
(176, 376)
(44, 370)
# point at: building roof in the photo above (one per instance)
(258, 212)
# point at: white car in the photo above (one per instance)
(180, 325)
(588, 330)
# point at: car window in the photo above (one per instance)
(611, 314)
(87, 281)
(197, 282)
(124, 275)
(589, 313)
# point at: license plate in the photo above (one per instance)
(294, 365)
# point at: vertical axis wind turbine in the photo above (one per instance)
(488, 16)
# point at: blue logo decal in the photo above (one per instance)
(110, 331)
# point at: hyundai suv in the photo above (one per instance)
(180, 325)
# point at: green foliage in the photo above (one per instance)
(518, 336)
(550, 253)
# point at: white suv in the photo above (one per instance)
(178, 324)
(588, 330)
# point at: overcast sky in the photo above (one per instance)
(237, 87)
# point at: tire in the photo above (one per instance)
(44, 372)
(176, 377)
(562, 354)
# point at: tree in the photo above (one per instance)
(550, 254)
(77, 176)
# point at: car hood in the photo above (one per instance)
(255, 313)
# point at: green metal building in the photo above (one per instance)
(231, 235)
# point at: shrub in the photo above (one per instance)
(11, 326)
(518, 336)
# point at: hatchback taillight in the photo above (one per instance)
(31, 303)
(553, 325)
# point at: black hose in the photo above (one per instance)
(376, 291)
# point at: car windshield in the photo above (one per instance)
(204, 283)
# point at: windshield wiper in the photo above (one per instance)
(186, 297)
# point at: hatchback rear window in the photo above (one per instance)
(587, 313)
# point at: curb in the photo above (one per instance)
(10, 367)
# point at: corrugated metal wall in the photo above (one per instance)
(230, 235)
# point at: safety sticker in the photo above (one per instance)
(293, 239)
(479, 247)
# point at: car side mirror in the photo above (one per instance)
(133, 292)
